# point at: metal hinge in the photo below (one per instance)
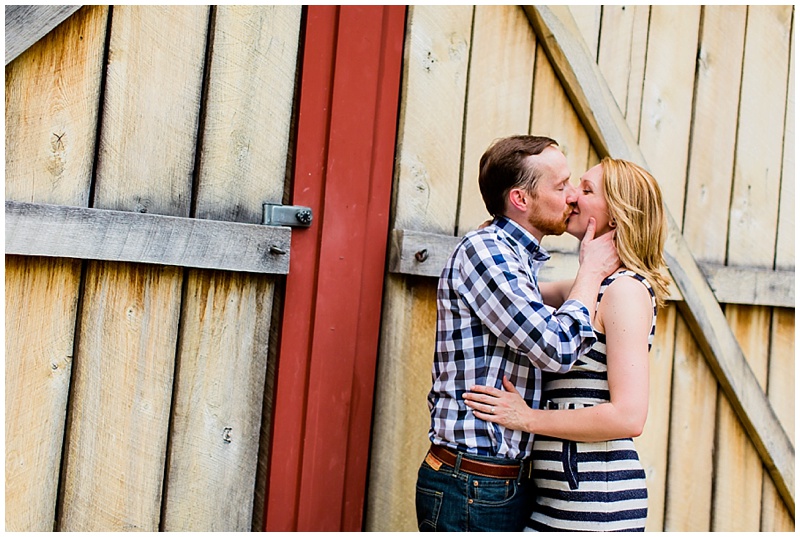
(276, 214)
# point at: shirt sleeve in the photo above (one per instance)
(496, 286)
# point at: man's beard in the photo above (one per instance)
(550, 226)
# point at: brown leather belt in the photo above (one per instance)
(472, 466)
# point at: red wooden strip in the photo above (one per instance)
(325, 376)
(283, 484)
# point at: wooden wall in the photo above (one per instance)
(134, 392)
(708, 92)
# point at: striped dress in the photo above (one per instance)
(588, 486)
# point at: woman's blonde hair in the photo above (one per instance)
(635, 205)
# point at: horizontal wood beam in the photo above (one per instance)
(587, 89)
(76, 232)
(25, 25)
(425, 254)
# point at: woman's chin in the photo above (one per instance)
(577, 233)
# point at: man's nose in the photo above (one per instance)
(572, 194)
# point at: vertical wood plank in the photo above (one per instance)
(738, 475)
(714, 130)
(498, 97)
(751, 233)
(781, 391)
(652, 444)
(119, 408)
(402, 417)
(691, 437)
(224, 340)
(751, 242)
(52, 103)
(709, 182)
(429, 151)
(587, 18)
(433, 94)
(667, 98)
(784, 248)
(621, 57)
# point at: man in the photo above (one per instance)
(491, 322)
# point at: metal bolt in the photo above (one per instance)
(304, 216)
(277, 251)
(422, 255)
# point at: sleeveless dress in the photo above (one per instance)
(588, 486)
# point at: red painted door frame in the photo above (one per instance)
(344, 162)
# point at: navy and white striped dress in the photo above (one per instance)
(588, 486)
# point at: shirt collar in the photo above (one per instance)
(523, 237)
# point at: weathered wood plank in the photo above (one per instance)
(52, 102)
(689, 485)
(116, 442)
(781, 392)
(494, 110)
(556, 32)
(666, 117)
(784, 248)
(436, 62)
(759, 141)
(707, 202)
(736, 505)
(25, 25)
(425, 254)
(429, 153)
(621, 58)
(653, 443)
(75, 232)
(226, 318)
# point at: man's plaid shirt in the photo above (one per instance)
(491, 322)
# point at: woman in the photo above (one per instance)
(586, 469)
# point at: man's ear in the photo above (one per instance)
(518, 199)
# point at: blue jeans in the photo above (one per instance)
(449, 499)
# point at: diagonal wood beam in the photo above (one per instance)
(25, 25)
(587, 90)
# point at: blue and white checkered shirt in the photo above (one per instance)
(491, 322)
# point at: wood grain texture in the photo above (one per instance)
(119, 408)
(714, 131)
(41, 303)
(429, 152)
(784, 247)
(737, 494)
(591, 96)
(216, 412)
(667, 99)
(120, 398)
(402, 418)
(757, 173)
(52, 104)
(781, 392)
(653, 443)
(498, 96)
(52, 101)
(25, 25)
(431, 112)
(691, 437)
(425, 254)
(102, 234)
(621, 57)
(225, 340)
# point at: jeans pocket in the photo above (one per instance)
(429, 504)
(494, 491)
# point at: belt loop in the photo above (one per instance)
(457, 466)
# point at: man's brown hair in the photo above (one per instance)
(502, 168)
